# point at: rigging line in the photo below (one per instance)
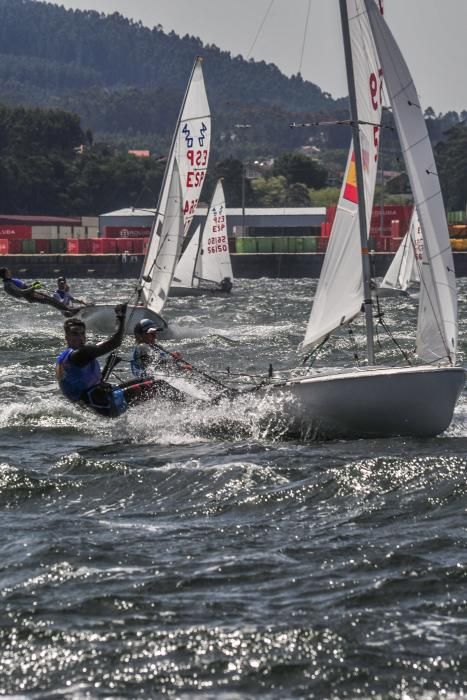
(305, 32)
(260, 28)
(353, 344)
(404, 354)
(314, 353)
(196, 370)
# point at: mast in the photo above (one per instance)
(360, 185)
(146, 270)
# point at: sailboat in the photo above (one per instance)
(190, 150)
(403, 274)
(205, 266)
(378, 400)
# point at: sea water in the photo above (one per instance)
(195, 550)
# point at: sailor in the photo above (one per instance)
(80, 378)
(148, 355)
(226, 285)
(62, 293)
(20, 290)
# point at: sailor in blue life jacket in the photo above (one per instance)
(62, 293)
(20, 290)
(148, 356)
(80, 378)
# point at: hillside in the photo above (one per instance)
(126, 81)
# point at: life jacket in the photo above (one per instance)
(63, 296)
(144, 358)
(17, 282)
(74, 380)
(137, 365)
(13, 286)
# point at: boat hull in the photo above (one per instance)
(375, 402)
(100, 318)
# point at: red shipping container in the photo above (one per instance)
(396, 229)
(381, 225)
(326, 229)
(84, 246)
(109, 245)
(124, 245)
(321, 244)
(14, 246)
(382, 244)
(14, 231)
(138, 245)
(42, 245)
(126, 231)
(72, 246)
(330, 214)
(395, 243)
(95, 246)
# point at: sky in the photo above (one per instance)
(430, 33)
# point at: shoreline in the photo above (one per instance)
(244, 265)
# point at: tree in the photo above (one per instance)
(451, 159)
(237, 187)
(296, 167)
(271, 191)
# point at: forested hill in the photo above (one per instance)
(123, 78)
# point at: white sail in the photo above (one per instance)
(214, 261)
(190, 147)
(170, 245)
(404, 270)
(437, 328)
(185, 270)
(339, 295)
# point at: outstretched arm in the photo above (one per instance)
(89, 352)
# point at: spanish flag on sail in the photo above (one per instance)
(350, 189)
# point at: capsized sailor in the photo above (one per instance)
(32, 293)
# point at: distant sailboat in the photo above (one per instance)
(205, 266)
(403, 274)
(190, 149)
(379, 400)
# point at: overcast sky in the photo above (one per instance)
(431, 34)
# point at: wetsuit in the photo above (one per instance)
(20, 290)
(80, 379)
(144, 359)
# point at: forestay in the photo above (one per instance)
(437, 327)
(339, 295)
(190, 147)
(170, 245)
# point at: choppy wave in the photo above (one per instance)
(198, 550)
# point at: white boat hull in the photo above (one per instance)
(374, 402)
